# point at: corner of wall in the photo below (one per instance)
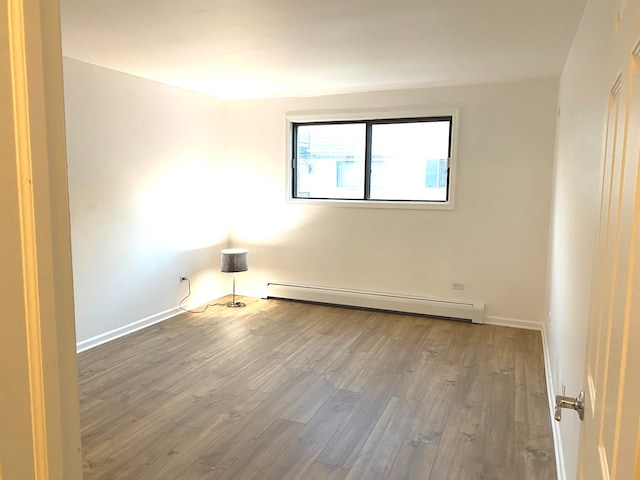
(551, 394)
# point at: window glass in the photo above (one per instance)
(330, 161)
(379, 160)
(409, 152)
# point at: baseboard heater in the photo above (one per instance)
(465, 310)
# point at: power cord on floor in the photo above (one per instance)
(204, 309)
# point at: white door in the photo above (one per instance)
(610, 440)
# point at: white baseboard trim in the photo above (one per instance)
(555, 426)
(137, 325)
(126, 329)
(512, 322)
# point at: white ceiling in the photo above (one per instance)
(274, 48)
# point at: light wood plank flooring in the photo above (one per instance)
(284, 390)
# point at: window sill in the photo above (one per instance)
(377, 204)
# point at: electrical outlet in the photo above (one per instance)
(183, 278)
(457, 286)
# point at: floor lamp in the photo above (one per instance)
(234, 260)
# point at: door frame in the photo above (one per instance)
(39, 375)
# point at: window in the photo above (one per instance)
(392, 160)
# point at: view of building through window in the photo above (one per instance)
(373, 160)
(330, 160)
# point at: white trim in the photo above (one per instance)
(126, 329)
(512, 322)
(622, 8)
(406, 111)
(551, 392)
(23, 126)
(400, 205)
(617, 85)
(592, 393)
(604, 464)
(140, 324)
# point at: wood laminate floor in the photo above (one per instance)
(285, 390)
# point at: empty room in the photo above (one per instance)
(320, 240)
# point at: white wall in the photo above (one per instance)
(149, 164)
(146, 184)
(495, 241)
(576, 205)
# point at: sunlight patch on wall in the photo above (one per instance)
(260, 212)
(183, 206)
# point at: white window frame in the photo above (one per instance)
(367, 114)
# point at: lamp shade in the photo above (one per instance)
(234, 260)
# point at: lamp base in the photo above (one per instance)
(236, 304)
